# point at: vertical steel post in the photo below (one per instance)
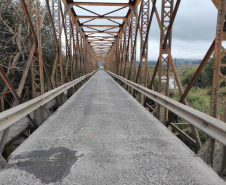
(40, 56)
(68, 43)
(75, 61)
(58, 72)
(132, 70)
(164, 63)
(79, 52)
(82, 53)
(122, 53)
(37, 63)
(117, 55)
(85, 54)
(218, 107)
(143, 66)
(126, 50)
(175, 83)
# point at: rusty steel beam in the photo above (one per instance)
(164, 58)
(100, 4)
(52, 22)
(217, 100)
(95, 48)
(149, 26)
(157, 15)
(101, 32)
(100, 47)
(40, 56)
(127, 45)
(216, 3)
(114, 11)
(114, 21)
(58, 71)
(87, 10)
(78, 38)
(68, 34)
(99, 17)
(107, 29)
(75, 51)
(88, 21)
(101, 44)
(93, 29)
(171, 22)
(104, 37)
(134, 27)
(101, 41)
(29, 20)
(63, 15)
(217, 63)
(137, 27)
(116, 55)
(101, 50)
(123, 38)
(25, 73)
(143, 69)
(100, 26)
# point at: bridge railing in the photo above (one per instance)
(9, 117)
(209, 125)
(8, 97)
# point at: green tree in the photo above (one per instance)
(205, 78)
(187, 75)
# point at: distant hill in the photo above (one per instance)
(188, 62)
(180, 62)
(150, 63)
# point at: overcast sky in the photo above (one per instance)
(193, 32)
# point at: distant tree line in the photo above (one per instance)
(205, 78)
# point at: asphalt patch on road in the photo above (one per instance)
(48, 165)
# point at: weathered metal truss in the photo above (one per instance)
(118, 49)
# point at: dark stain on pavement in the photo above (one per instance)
(48, 165)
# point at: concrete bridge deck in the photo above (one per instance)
(102, 135)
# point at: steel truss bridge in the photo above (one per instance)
(75, 84)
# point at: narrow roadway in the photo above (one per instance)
(103, 136)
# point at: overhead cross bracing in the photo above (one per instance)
(102, 33)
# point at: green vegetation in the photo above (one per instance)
(200, 95)
(200, 99)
